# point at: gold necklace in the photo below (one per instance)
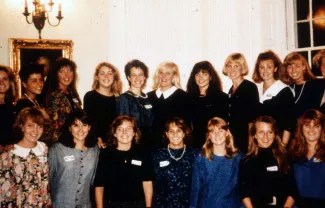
(34, 102)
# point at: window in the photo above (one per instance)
(309, 28)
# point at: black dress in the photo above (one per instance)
(6, 124)
(21, 104)
(243, 105)
(278, 103)
(308, 96)
(177, 104)
(203, 108)
(102, 111)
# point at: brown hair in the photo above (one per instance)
(238, 58)
(10, 95)
(299, 147)
(116, 87)
(289, 59)
(267, 55)
(112, 140)
(207, 149)
(317, 60)
(35, 114)
(179, 122)
(279, 151)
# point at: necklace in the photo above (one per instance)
(302, 89)
(134, 95)
(177, 159)
(34, 102)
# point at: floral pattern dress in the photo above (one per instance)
(24, 180)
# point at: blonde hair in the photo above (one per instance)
(207, 149)
(294, 56)
(176, 74)
(116, 87)
(317, 60)
(238, 58)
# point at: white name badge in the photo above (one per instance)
(136, 162)
(163, 163)
(69, 158)
(42, 159)
(272, 168)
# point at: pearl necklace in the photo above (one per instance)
(34, 102)
(302, 89)
(177, 159)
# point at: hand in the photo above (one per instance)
(100, 143)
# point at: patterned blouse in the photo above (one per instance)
(59, 106)
(173, 177)
(24, 177)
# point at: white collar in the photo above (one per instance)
(166, 93)
(38, 150)
(272, 91)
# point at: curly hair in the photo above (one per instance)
(66, 138)
(288, 60)
(267, 55)
(238, 58)
(118, 121)
(279, 151)
(219, 123)
(299, 146)
(36, 115)
(215, 83)
(116, 87)
(179, 122)
(176, 74)
(10, 95)
(136, 64)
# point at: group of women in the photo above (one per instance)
(167, 148)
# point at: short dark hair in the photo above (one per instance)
(136, 64)
(66, 137)
(180, 123)
(30, 69)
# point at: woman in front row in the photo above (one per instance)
(173, 166)
(24, 172)
(125, 172)
(264, 178)
(308, 152)
(73, 162)
(215, 171)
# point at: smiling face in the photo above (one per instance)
(312, 132)
(34, 85)
(267, 69)
(202, 79)
(165, 77)
(79, 131)
(296, 71)
(264, 135)
(234, 70)
(4, 82)
(175, 136)
(65, 77)
(136, 78)
(105, 77)
(32, 132)
(124, 134)
(217, 136)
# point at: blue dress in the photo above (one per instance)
(215, 182)
(173, 178)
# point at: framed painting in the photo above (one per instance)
(42, 51)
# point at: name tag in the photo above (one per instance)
(136, 162)
(69, 158)
(42, 159)
(316, 160)
(75, 100)
(148, 106)
(272, 168)
(163, 163)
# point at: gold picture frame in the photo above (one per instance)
(25, 51)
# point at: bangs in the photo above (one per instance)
(36, 118)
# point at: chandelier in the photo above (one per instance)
(40, 14)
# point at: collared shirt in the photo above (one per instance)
(272, 91)
(71, 175)
(38, 150)
(166, 93)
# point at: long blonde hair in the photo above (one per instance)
(176, 74)
(207, 149)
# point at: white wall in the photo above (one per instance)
(183, 31)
